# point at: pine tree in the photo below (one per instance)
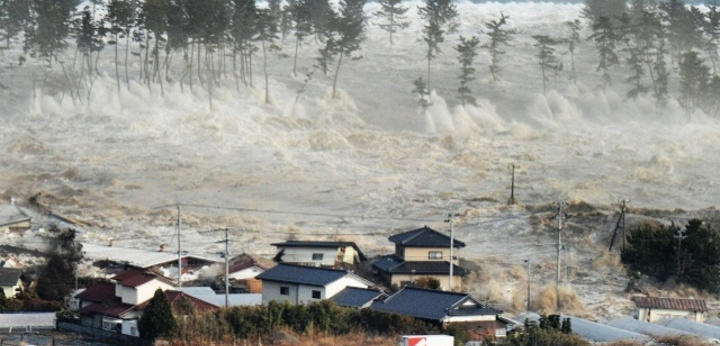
(635, 57)
(323, 19)
(499, 37)
(157, 319)
(56, 278)
(243, 29)
(392, 17)
(119, 17)
(88, 37)
(694, 80)
(467, 51)
(573, 41)
(596, 9)
(350, 29)
(661, 72)
(301, 17)
(267, 34)
(547, 61)
(680, 26)
(712, 32)
(49, 29)
(177, 36)
(605, 39)
(154, 15)
(14, 16)
(423, 94)
(439, 16)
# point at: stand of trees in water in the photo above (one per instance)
(665, 49)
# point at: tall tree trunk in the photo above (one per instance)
(147, 59)
(297, 45)
(117, 70)
(190, 65)
(127, 52)
(337, 72)
(250, 71)
(199, 63)
(234, 67)
(267, 86)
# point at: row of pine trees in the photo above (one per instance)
(645, 41)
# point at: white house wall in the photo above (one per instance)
(304, 255)
(271, 291)
(129, 327)
(659, 314)
(336, 286)
(140, 294)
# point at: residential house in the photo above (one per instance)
(10, 281)
(332, 254)
(244, 268)
(207, 294)
(359, 298)
(652, 309)
(300, 284)
(118, 305)
(13, 218)
(446, 308)
(421, 253)
(165, 262)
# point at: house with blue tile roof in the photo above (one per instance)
(445, 308)
(359, 298)
(300, 284)
(421, 253)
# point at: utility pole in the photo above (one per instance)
(227, 270)
(512, 186)
(679, 236)
(179, 278)
(527, 261)
(560, 216)
(450, 220)
(623, 210)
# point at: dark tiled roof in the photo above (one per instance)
(9, 276)
(291, 273)
(430, 304)
(98, 293)
(695, 305)
(424, 237)
(113, 308)
(395, 265)
(175, 296)
(330, 244)
(134, 277)
(356, 297)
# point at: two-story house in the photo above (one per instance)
(421, 253)
(10, 282)
(330, 254)
(299, 284)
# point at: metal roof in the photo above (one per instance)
(692, 327)
(431, 304)
(98, 293)
(134, 277)
(694, 305)
(235, 299)
(396, 265)
(297, 274)
(321, 244)
(9, 277)
(593, 331)
(135, 257)
(424, 237)
(650, 329)
(357, 297)
(11, 214)
(28, 319)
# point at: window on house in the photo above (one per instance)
(317, 257)
(316, 294)
(285, 290)
(435, 255)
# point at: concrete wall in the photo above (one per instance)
(397, 280)
(653, 315)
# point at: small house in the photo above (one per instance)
(421, 253)
(331, 254)
(300, 284)
(10, 281)
(652, 309)
(445, 308)
(359, 298)
(13, 218)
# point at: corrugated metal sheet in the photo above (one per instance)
(593, 331)
(692, 327)
(695, 305)
(28, 319)
(135, 257)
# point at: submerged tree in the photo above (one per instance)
(439, 16)
(267, 34)
(499, 37)
(423, 94)
(56, 278)
(693, 80)
(573, 40)
(547, 60)
(605, 39)
(14, 16)
(50, 26)
(88, 38)
(299, 11)
(392, 15)
(467, 51)
(119, 17)
(350, 32)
